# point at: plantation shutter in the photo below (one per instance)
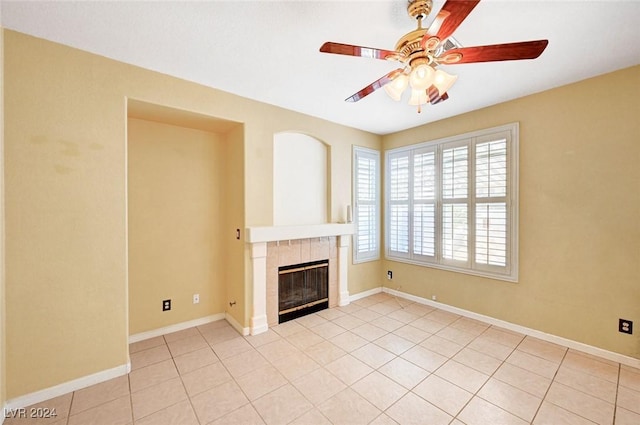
(455, 203)
(491, 221)
(398, 228)
(366, 205)
(424, 203)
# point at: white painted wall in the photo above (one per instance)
(300, 180)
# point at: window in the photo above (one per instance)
(366, 190)
(452, 203)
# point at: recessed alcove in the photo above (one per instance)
(185, 190)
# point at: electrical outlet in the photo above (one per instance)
(196, 298)
(389, 274)
(625, 326)
(166, 305)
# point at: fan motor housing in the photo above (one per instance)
(419, 9)
(410, 47)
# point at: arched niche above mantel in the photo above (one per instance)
(300, 180)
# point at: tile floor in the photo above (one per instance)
(379, 360)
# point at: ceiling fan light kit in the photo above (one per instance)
(421, 77)
(396, 87)
(422, 50)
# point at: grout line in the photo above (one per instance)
(130, 404)
(615, 401)
(130, 394)
(550, 384)
(195, 413)
(473, 395)
(73, 396)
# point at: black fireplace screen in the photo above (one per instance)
(302, 289)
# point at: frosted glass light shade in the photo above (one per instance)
(421, 77)
(443, 81)
(395, 88)
(418, 97)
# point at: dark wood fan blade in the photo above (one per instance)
(351, 50)
(451, 15)
(496, 52)
(374, 86)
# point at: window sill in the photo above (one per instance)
(480, 273)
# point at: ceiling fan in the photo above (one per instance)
(423, 49)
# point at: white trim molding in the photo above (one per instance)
(67, 387)
(259, 269)
(343, 259)
(176, 327)
(236, 325)
(285, 233)
(364, 294)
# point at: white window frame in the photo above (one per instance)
(369, 255)
(510, 132)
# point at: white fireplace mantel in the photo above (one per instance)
(258, 237)
(284, 233)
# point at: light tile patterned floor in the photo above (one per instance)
(379, 360)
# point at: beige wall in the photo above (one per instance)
(176, 211)
(66, 234)
(3, 396)
(234, 218)
(579, 210)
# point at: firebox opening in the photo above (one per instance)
(302, 289)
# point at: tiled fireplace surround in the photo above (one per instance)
(273, 247)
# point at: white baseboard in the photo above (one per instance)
(67, 387)
(585, 348)
(364, 294)
(237, 326)
(105, 375)
(176, 327)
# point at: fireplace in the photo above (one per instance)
(302, 289)
(277, 246)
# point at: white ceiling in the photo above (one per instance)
(268, 50)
